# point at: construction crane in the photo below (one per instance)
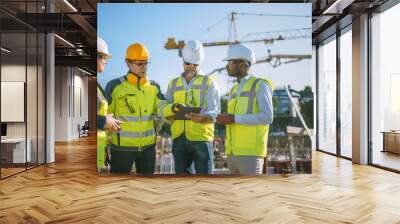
(273, 59)
(289, 34)
(171, 43)
(233, 16)
(233, 36)
(258, 37)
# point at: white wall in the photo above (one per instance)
(16, 73)
(34, 125)
(70, 83)
(61, 103)
(80, 100)
(12, 73)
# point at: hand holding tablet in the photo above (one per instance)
(180, 115)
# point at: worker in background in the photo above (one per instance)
(192, 138)
(104, 122)
(135, 101)
(250, 113)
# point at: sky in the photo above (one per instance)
(122, 24)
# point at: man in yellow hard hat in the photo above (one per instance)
(250, 112)
(135, 101)
(193, 137)
(104, 122)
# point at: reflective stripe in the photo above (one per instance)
(179, 88)
(242, 94)
(135, 118)
(174, 87)
(160, 108)
(202, 87)
(202, 93)
(232, 94)
(252, 96)
(127, 134)
(100, 99)
(122, 79)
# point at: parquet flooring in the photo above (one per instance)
(70, 191)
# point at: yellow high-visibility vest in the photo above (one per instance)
(102, 106)
(194, 97)
(242, 139)
(136, 106)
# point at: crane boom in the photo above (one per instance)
(266, 37)
(172, 44)
(270, 58)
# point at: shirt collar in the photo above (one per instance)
(184, 79)
(244, 79)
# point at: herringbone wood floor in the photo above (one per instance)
(70, 191)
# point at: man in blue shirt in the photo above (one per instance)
(250, 112)
(192, 138)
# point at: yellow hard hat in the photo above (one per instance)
(137, 52)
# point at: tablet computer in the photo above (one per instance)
(180, 115)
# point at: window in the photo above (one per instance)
(327, 96)
(346, 94)
(385, 89)
(22, 74)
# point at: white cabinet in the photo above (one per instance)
(18, 149)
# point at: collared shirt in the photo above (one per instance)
(213, 104)
(264, 102)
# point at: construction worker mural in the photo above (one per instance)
(250, 112)
(104, 122)
(193, 134)
(135, 101)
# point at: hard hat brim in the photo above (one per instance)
(229, 59)
(108, 56)
(191, 62)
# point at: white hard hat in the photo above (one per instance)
(102, 47)
(193, 52)
(240, 51)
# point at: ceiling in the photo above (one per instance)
(331, 15)
(76, 22)
(73, 20)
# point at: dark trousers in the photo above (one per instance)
(187, 152)
(122, 159)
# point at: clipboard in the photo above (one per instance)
(180, 115)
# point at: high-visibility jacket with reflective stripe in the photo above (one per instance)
(242, 139)
(136, 106)
(101, 134)
(194, 97)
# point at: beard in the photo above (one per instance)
(190, 72)
(231, 73)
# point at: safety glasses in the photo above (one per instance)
(140, 64)
(235, 62)
(187, 63)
